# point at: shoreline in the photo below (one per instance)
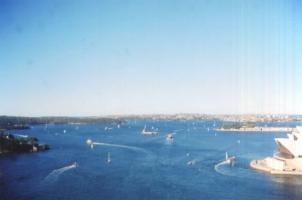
(257, 129)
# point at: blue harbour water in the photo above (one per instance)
(143, 167)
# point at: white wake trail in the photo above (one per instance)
(133, 148)
(220, 164)
(119, 146)
(177, 130)
(149, 154)
(238, 171)
(217, 166)
(54, 175)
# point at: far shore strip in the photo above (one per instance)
(258, 129)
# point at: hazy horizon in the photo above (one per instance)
(100, 58)
(157, 114)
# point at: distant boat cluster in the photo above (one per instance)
(229, 160)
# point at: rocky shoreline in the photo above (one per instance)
(10, 143)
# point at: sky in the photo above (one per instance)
(91, 58)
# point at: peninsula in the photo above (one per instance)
(251, 127)
(10, 143)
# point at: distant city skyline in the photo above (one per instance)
(92, 58)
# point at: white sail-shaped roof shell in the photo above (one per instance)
(293, 144)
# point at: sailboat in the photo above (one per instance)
(108, 158)
(229, 160)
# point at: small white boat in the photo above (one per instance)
(108, 128)
(169, 136)
(191, 162)
(75, 164)
(90, 142)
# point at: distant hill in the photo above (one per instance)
(15, 122)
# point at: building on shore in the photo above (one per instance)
(288, 158)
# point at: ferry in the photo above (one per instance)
(149, 132)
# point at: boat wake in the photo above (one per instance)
(54, 175)
(177, 130)
(121, 146)
(237, 171)
(218, 169)
(132, 148)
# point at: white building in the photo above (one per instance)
(287, 159)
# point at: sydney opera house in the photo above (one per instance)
(288, 158)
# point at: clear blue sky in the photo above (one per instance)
(133, 57)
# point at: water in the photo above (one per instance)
(143, 167)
